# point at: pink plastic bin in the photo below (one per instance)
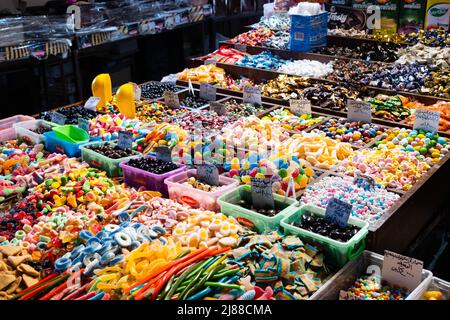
(196, 198)
(137, 178)
(7, 132)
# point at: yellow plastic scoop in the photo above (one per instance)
(125, 100)
(102, 88)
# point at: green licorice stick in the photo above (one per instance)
(225, 273)
(166, 288)
(204, 263)
(181, 288)
(217, 268)
(204, 280)
(191, 284)
(179, 280)
(223, 285)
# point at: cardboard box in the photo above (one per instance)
(411, 16)
(389, 16)
(437, 14)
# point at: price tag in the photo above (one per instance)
(360, 178)
(262, 194)
(338, 212)
(359, 111)
(208, 92)
(217, 107)
(240, 47)
(300, 106)
(58, 118)
(427, 120)
(91, 103)
(210, 61)
(401, 271)
(125, 139)
(171, 99)
(252, 95)
(208, 173)
(137, 91)
(83, 124)
(163, 153)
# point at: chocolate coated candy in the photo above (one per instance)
(113, 152)
(194, 102)
(152, 165)
(249, 206)
(72, 114)
(154, 90)
(321, 226)
(41, 130)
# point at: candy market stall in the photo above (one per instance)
(260, 174)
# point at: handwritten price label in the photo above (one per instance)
(252, 95)
(137, 91)
(401, 271)
(300, 106)
(210, 61)
(125, 140)
(208, 92)
(338, 212)
(240, 47)
(163, 153)
(262, 196)
(208, 173)
(171, 99)
(427, 120)
(217, 107)
(91, 103)
(58, 118)
(83, 124)
(359, 111)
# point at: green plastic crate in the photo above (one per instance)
(337, 253)
(228, 205)
(99, 161)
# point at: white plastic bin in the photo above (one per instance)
(346, 277)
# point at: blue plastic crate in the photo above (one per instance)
(55, 144)
(308, 32)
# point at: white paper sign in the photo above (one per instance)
(359, 111)
(210, 61)
(171, 99)
(137, 92)
(218, 108)
(401, 271)
(252, 95)
(240, 47)
(208, 92)
(300, 106)
(427, 120)
(91, 103)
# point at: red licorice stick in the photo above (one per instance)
(168, 266)
(106, 297)
(49, 277)
(37, 290)
(76, 293)
(64, 292)
(55, 291)
(87, 296)
(53, 282)
(143, 291)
